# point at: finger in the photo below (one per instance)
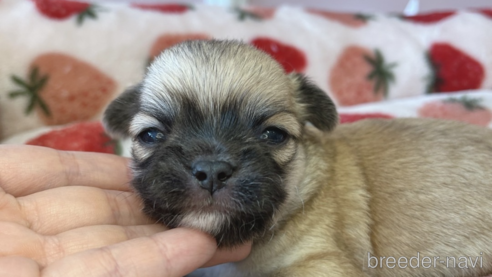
(16, 240)
(28, 169)
(235, 254)
(10, 210)
(93, 237)
(86, 238)
(57, 210)
(173, 253)
(81, 239)
(18, 267)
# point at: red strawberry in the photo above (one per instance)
(165, 41)
(433, 17)
(165, 8)
(353, 117)
(463, 109)
(348, 19)
(85, 136)
(360, 76)
(486, 12)
(255, 13)
(291, 58)
(63, 9)
(63, 89)
(453, 70)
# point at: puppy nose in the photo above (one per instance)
(212, 174)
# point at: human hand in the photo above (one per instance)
(74, 214)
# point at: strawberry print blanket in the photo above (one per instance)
(473, 107)
(64, 61)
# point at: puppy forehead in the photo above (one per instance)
(213, 73)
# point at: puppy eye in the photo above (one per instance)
(151, 136)
(273, 135)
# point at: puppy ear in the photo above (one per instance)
(121, 111)
(314, 104)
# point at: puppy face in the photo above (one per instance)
(216, 129)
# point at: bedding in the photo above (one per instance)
(473, 107)
(64, 61)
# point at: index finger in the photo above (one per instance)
(27, 169)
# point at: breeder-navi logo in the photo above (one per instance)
(424, 261)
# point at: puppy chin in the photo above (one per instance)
(208, 222)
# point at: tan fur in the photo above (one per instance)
(391, 188)
(218, 73)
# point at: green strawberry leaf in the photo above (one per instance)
(44, 107)
(17, 93)
(91, 12)
(31, 90)
(40, 85)
(364, 17)
(243, 15)
(20, 82)
(469, 103)
(34, 75)
(31, 105)
(80, 18)
(382, 73)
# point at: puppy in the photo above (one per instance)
(225, 142)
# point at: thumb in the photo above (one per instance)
(172, 253)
